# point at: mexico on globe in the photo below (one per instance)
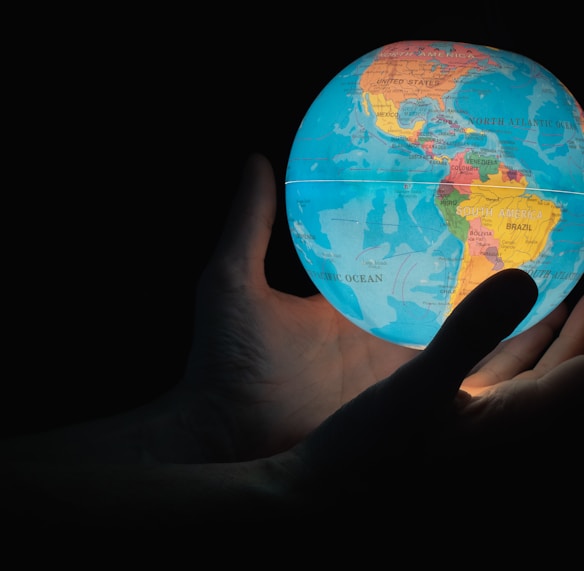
(423, 168)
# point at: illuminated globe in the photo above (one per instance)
(423, 168)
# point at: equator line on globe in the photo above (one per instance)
(424, 167)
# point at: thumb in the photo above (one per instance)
(383, 419)
(244, 241)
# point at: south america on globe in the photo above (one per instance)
(423, 168)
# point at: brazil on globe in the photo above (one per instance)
(424, 167)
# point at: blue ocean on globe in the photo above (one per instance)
(423, 168)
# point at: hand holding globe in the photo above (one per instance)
(423, 168)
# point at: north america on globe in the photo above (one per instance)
(423, 168)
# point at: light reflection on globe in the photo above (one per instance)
(423, 168)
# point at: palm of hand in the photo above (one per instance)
(525, 382)
(276, 365)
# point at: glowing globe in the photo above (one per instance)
(423, 168)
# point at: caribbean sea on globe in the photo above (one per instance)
(423, 168)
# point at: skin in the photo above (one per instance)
(285, 406)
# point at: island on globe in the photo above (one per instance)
(423, 168)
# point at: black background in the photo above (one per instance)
(130, 131)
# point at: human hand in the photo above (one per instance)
(270, 366)
(286, 402)
(419, 437)
(521, 405)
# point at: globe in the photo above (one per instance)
(423, 168)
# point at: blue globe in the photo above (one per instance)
(423, 168)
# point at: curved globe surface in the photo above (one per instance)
(423, 168)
